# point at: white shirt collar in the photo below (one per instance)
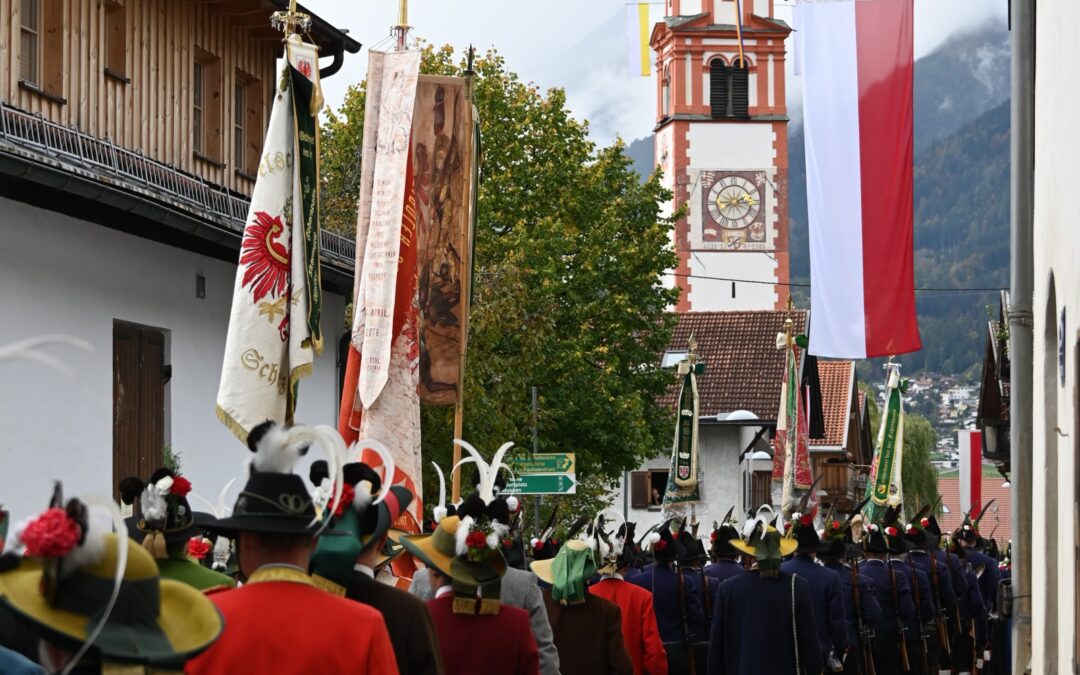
(444, 590)
(364, 569)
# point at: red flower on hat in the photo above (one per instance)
(911, 529)
(508, 543)
(51, 535)
(538, 546)
(925, 522)
(476, 539)
(713, 536)
(787, 526)
(836, 524)
(197, 547)
(180, 486)
(554, 542)
(891, 531)
(806, 521)
(348, 493)
(660, 545)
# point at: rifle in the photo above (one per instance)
(915, 592)
(905, 661)
(686, 625)
(866, 633)
(942, 631)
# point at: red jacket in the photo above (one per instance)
(293, 627)
(484, 644)
(640, 633)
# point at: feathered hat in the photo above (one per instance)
(722, 534)
(885, 537)
(165, 516)
(915, 531)
(764, 543)
(89, 589)
(275, 500)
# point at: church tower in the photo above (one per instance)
(721, 141)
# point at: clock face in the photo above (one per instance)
(734, 202)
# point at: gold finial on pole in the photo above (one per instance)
(291, 21)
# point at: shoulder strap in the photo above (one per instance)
(794, 626)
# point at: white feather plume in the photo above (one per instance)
(28, 349)
(650, 541)
(363, 497)
(222, 553)
(438, 513)
(513, 504)
(122, 540)
(218, 510)
(92, 550)
(323, 493)
(464, 528)
(387, 464)
(442, 493)
(154, 508)
(488, 472)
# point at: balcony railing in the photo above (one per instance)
(107, 163)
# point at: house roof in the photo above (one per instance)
(837, 386)
(743, 367)
(998, 520)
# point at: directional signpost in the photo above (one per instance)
(542, 474)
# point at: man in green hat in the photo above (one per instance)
(355, 545)
(96, 601)
(764, 597)
(165, 526)
(587, 628)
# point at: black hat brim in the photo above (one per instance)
(230, 527)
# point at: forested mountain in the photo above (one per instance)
(961, 197)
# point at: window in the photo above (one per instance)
(672, 358)
(30, 42)
(247, 124)
(665, 93)
(197, 112)
(41, 48)
(116, 41)
(729, 89)
(760, 489)
(647, 488)
(238, 125)
(206, 116)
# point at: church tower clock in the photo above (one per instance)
(721, 142)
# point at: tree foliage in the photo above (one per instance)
(918, 475)
(570, 250)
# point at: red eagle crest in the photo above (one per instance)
(264, 257)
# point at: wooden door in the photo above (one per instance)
(138, 401)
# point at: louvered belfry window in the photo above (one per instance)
(29, 36)
(740, 88)
(729, 89)
(718, 89)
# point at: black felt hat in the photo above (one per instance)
(274, 500)
(803, 532)
(165, 516)
(691, 550)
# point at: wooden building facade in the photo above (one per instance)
(184, 82)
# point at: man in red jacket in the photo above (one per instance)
(477, 634)
(640, 634)
(279, 622)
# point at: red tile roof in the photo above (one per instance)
(998, 520)
(743, 367)
(836, 389)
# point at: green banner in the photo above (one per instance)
(887, 452)
(307, 146)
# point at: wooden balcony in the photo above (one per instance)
(838, 481)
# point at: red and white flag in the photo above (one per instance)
(857, 64)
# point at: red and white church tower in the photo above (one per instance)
(721, 141)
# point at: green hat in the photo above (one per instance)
(568, 572)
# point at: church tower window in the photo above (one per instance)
(718, 89)
(740, 88)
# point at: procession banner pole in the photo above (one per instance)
(465, 246)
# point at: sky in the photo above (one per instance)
(578, 45)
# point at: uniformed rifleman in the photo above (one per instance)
(860, 602)
(894, 595)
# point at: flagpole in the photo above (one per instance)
(401, 30)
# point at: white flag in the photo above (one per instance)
(270, 344)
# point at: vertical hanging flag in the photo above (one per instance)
(885, 487)
(640, 19)
(791, 453)
(379, 399)
(683, 486)
(274, 325)
(857, 62)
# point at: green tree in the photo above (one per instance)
(917, 474)
(570, 252)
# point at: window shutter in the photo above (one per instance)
(639, 489)
(740, 90)
(718, 86)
